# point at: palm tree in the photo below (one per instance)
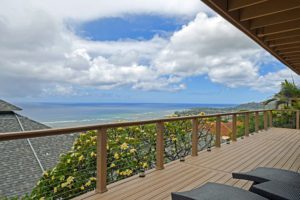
(288, 96)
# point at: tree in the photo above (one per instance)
(288, 96)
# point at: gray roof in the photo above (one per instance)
(19, 167)
(5, 106)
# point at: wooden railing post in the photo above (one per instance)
(160, 146)
(256, 122)
(246, 124)
(101, 160)
(265, 120)
(218, 131)
(270, 119)
(297, 119)
(234, 127)
(194, 137)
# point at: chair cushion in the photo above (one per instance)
(277, 190)
(263, 174)
(215, 191)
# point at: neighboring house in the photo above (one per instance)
(226, 128)
(24, 160)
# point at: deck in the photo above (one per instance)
(276, 147)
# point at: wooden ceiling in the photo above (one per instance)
(273, 24)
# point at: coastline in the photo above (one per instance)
(74, 114)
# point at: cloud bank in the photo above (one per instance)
(42, 55)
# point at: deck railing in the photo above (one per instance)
(256, 117)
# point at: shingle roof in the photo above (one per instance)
(19, 168)
(5, 106)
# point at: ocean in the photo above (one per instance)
(75, 114)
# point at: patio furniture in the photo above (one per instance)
(276, 190)
(215, 191)
(263, 174)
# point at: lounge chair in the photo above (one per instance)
(215, 191)
(263, 174)
(276, 190)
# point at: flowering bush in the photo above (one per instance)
(129, 150)
(285, 119)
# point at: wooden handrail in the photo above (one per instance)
(256, 122)
(234, 127)
(265, 120)
(246, 124)
(102, 136)
(101, 160)
(270, 119)
(160, 145)
(218, 131)
(297, 119)
(195, 137)
(61, 131)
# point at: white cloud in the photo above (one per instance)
(210, 46)
(85, 10)
(39, 53)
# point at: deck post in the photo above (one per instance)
(234, 127)
(160, 146)
(101, 160)
(247, 124)
(270, 119)
(195, 137)
(297, 119)
(218, 131)
(256, 122)
(265, 120)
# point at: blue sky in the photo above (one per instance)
(165, 52)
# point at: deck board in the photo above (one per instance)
(276, 147)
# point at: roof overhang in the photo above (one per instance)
(273, 24)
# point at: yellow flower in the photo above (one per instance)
(174, 139)
(120, 129)
(42, 198)
(201, 113)
(45, 173)
(137, 129)
(55, 189)
(81, 158)
(107, 147)
(128, 172)
(93, 154)
(88, 183)
(112, 165)
(116, 156)
(93, 179)
(68, 161)
(82, 187)
(145, 165)
(132, 150)
(70, 179)
(52, 178)
(124, 146)
(64, 184)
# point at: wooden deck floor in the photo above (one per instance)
(277, 147)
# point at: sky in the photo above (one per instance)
(169, 51)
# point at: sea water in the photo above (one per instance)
(75, 114)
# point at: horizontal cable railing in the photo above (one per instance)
(106, 153)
